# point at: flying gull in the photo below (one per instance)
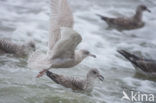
(7, 46)
(144, 66)
(63, 41)
(127, 22)
(86, 84)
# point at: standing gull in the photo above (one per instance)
(86, 84)
(6, 46)
(127, 22)
(63, 41)
(144, 66)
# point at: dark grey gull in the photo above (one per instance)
(144, 66)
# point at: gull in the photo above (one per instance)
(7, 46)
(127, 22)
(144, 66)
(86, 84)
(63, 40)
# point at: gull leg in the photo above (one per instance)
(41, 73)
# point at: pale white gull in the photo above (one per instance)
(63, 41)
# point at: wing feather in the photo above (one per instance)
(66, 46)
(69, 82)
(61, 16)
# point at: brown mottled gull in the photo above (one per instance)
(144, 66)
(63, 41)
(127, 22)
(6, 46)
(86, 84)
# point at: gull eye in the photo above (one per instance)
(94, 72)
(144, 7)
(86, 52)
(32, 45)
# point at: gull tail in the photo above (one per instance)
(132, 58)
(53, 76)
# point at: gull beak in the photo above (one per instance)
(101, 77)
(148, 10)
(92, 55)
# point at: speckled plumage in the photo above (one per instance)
(127, 22)
(7, 46)
(86, 84)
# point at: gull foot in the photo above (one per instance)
(41, 73)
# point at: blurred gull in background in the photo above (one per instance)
(125, 22)
(21, 50)
(144, 66)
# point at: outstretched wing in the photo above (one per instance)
(65, 47)
(61, 16)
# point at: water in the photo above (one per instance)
(22, 20)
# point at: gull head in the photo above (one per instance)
(94, 74)
(30, 46)
(86, 53)
(143, 8)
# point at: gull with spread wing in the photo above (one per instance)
(63, 41)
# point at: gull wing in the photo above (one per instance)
(61, 16)
(145, 65)
(69, 82)
(65, 47)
